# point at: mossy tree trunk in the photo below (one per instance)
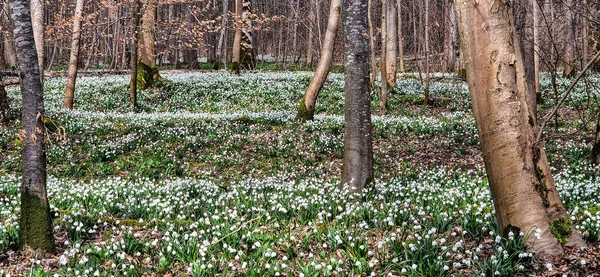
(306, 110)
(358, 142)
(35, 223)
(523, 191)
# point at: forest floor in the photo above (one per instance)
(213, 176)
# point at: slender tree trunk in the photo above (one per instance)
(569, 37)
(134, 55)
(400, 38)
(295, 31)
(10, 53)
(37, 19)
(311, 34)
(584, 37)
(306, 111)
(74, 57)
(453, 47)
(237, 40)
(224, 17)
(517, 169)
(426, 52)
(4, 105)
(372, 44)
(35, 224)
(384, 58)
(391, 42)
(358, 144)
(596, 146)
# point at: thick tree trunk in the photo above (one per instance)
(74, 57)
(35, 224)
(243, 49)
(523, 13)
(391, 42)
(37, 19)
(133, 64)
(147, 72)
(306, 111)
(400, 38)
(517, 169)
(358, 145)
(569, 41)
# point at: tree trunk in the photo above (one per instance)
(224, 17)
(35, 224)
(426, 52)
(372, 44)
(147, 72)
(523, 13)
(400, 38)
(569, 41)
(596, 146)
(391, 42)
(385, 81)
(306, 111)
(454, 47)
(243, 49)
(517, 169)
(9, 51)
(37, 19)
(584, 37)
(4, 106)
(134, 55)
(358, 145)
(311, 34)
(74, 57)
(537, 17)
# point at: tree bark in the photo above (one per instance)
(569, 41)
(134, 55)
(311, 34)
(35, 224)
(147, 71)
(426, 52)
(358, 146)
(517, 169)
(243, 49)
(224, 17)
(524, 25)
(537, 17)
(596, 146)
(454, 47)
(4, 105)
(37, 19)
(400, 38)
(9, 51)
(74, 57)
(391, 42)
(385, 81)
(372, 44)
(306, 111)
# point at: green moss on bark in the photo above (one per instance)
(304, 113)
(35, 226)
(541, 187)
(147, 76)
(562, 229)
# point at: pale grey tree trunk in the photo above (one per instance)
(391, 42)
(37, 19)
(372, 43)
(358, 144)
(426, 52)
(311, 34)
(10, 54)
(224, 17)
(74, 57)
(35, 224)
(385, 81)
(400, 38)
(569, 41)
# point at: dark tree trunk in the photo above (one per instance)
(134, 55)
(523, 12)
(35, 224)
(4, 107)
(358, 147)
(596, 147)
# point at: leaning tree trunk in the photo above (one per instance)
(306, 111)
(391, 42)
(37, 20)
(74, 57)
(35, 224)
(358, 144)
(569, 41)
(147, 72)
(134, 55)
(517, 168)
